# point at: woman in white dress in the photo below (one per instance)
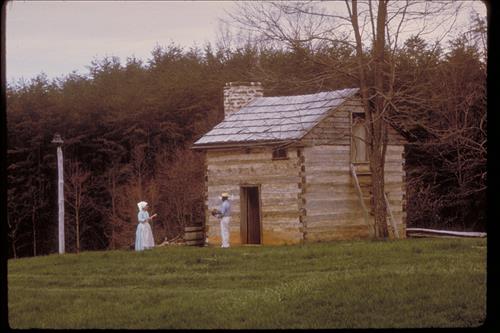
(144, 236)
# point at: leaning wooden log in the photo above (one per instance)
(371, 228)
(391, 217)
(422, 232)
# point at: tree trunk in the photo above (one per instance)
(77, 232)
(14, 249)
(113, 209)
(33, 223)
(379, 205)
(374, 106)
(363, 84)
(379, 128)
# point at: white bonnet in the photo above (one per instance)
(142, 204)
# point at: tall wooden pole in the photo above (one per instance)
(60, 190)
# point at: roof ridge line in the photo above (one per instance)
(321, 92)
(236, 113)
(292, 103)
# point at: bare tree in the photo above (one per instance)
(15, 218)
(181, 184)
(13, 222)
(454, 136)
(138, 167)
(373, 31)
(76, 196)
(114, 222)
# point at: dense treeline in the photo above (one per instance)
(127, 129)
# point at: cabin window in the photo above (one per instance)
(280, 154)
(358, 142)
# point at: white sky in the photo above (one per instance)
(58, 37)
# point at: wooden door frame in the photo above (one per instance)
(244, 231)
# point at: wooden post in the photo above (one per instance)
(360, 197)
(60, 190)
(391, 217)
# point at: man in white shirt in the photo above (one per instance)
(225, 216)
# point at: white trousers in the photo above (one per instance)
(224, 230)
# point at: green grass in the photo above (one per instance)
(362, 284)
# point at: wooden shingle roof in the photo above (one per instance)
(275, 119)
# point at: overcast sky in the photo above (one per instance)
(58, 37)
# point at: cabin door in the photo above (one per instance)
(250, 215)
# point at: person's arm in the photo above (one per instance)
(149, 218)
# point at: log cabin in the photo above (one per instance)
(296, 168)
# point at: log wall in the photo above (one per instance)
(279, 183)
(335, 129)
(332, 208)
(310, 196)
(395, 185)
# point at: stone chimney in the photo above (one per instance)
(239, 94)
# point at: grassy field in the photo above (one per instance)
(362, 284)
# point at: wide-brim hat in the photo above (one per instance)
(225, 195)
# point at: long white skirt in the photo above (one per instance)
(144, 237)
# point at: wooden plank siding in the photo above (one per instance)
(279, 183)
